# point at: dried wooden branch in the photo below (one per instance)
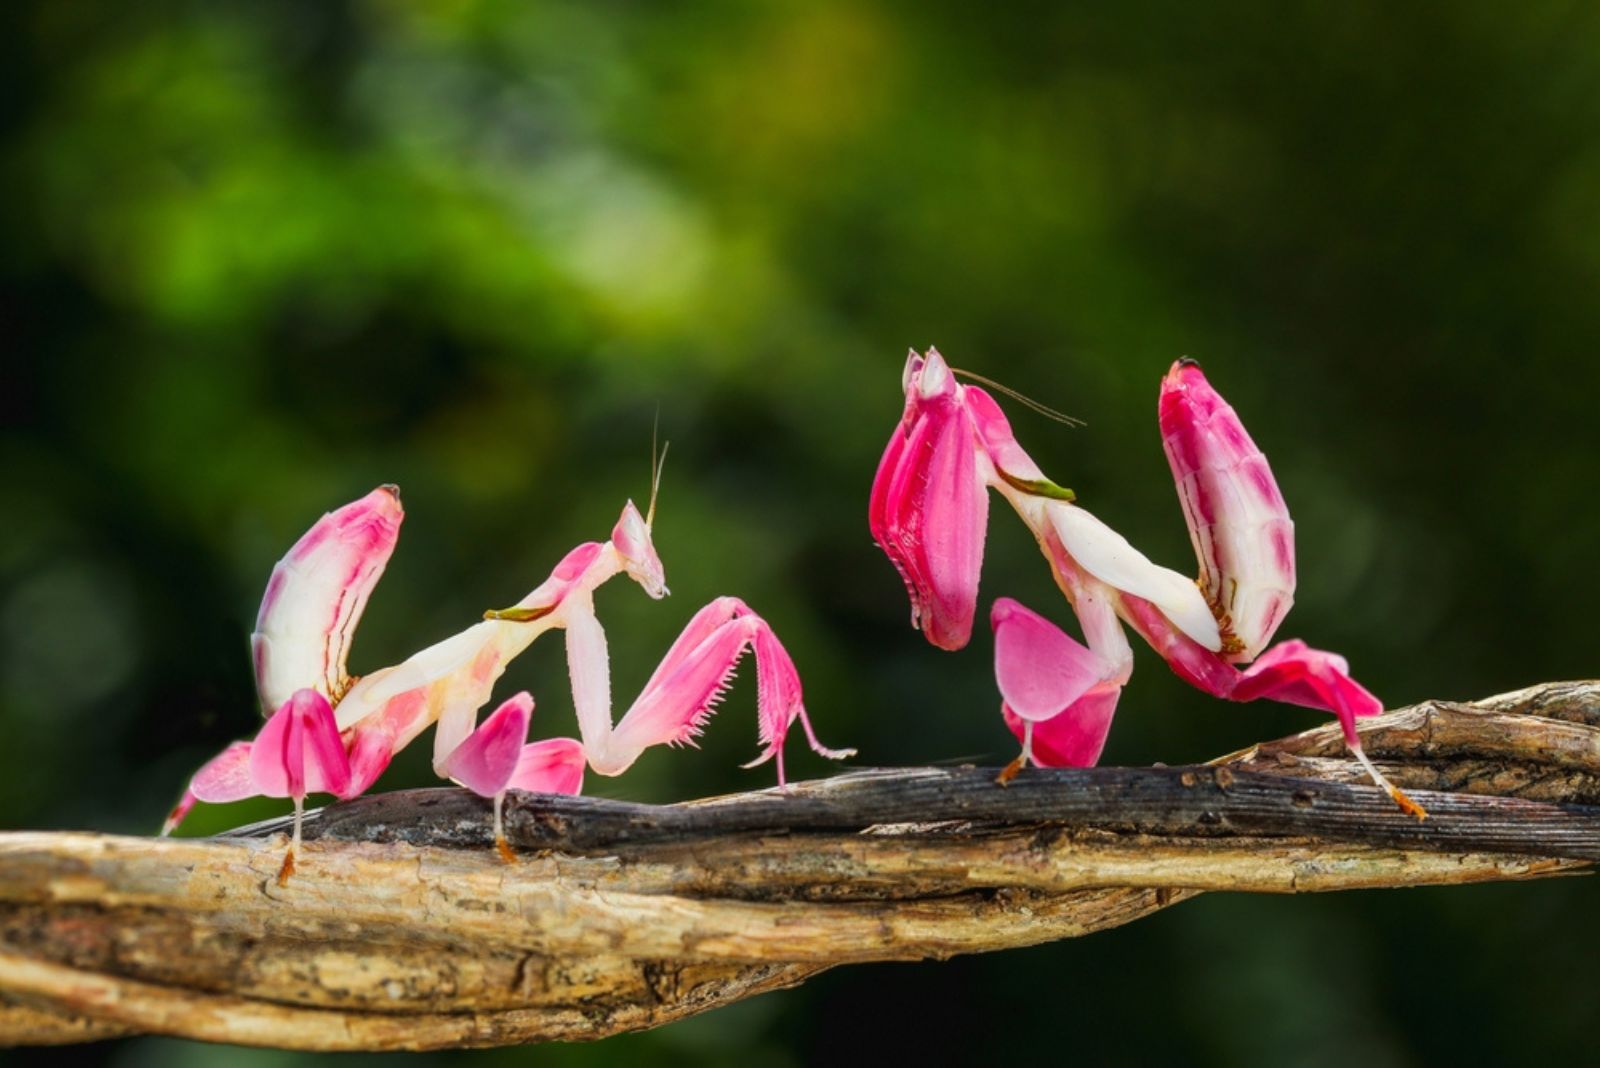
(402, 929)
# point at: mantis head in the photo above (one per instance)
(631, 538)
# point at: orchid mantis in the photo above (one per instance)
(929, 512)
(329, 733)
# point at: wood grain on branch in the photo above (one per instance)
(403, 930)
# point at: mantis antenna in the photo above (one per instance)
(657, 462)
(1026, 401)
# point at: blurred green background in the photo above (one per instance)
(259, 258)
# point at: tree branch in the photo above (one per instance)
(402, 930)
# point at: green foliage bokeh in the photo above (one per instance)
(259, 258)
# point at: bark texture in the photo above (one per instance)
(402, 929)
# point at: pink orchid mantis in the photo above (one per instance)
(929, 512)
(335, 734)
(308, 616)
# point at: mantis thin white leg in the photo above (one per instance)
(1025, 757)
(1398, 795)
(500, 844)
(294, 843)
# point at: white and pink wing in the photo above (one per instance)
(1237, 518)
(315, 598)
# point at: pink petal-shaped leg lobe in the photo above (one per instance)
(1296, 674)
(552, 766)
(225, 777)
(298, 750)
(485, 762)
(1237, 518)
(929, 509)
(316, 595)
(1039, 667)
(1291, 671)
(1076, 737)
(1057, 696)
